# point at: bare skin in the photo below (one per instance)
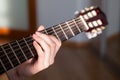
(46, 47)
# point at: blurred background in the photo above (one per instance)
(79, 58)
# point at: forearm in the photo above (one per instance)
(13, 75)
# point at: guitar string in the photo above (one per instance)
(52, 34)
(64, 28)
(15, 59)
(71, 26)
(31, 43)
(28, 37)
(25, 46)
(58, 27)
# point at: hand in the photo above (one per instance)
(46, 47)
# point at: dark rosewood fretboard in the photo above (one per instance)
(17, 52)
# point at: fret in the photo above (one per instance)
(70, 28)
(4, 60)
(11, 54)
(73, 27)
(46, 31)
(25, 49)
(15, 55)
(79, 23)
(63, 32)
(29, 40)
(33, 49)
(21, 50)
(67, 30)
(76, 25)
(2, 67)
(50, 31)
(6, 63)
(3, 47)
(56, 33)
(59, 33)
(17, 52)
(28, 47)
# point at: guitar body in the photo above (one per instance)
(91, 21)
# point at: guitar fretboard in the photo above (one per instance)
(16, 52)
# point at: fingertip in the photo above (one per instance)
(34, 43)
(40, 28)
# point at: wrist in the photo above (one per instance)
(11, 74)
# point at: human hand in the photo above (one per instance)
(46, 47)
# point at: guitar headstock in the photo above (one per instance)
(94, 21)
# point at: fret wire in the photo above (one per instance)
(21, 49)
(14, 53)
(51, 32)
(30, 40)
(17, 48)
(66, 26)
(3, 65)
(28, 37)
(63, 26)
(8, 62)
(19, 45)
(13, 60)
(11, 51)
(73, 27)
(46, 31)
(63, 32)
(7, 57)
(68, 32)
(28, 47)
(70, 28)
(25, 50)
(76, 25)
(61, 37)
(72, 23)
(79, 23)
(11, 57)
(31, 43)
(56, 33)
(55, 27)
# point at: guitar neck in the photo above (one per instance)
(16, 52)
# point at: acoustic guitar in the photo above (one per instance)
(90, 20)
